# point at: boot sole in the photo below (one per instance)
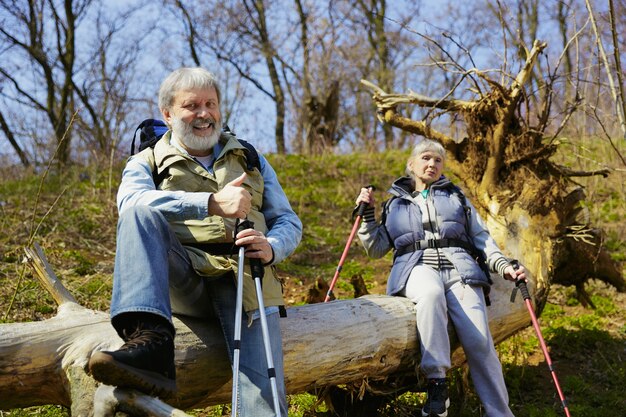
(107, 370)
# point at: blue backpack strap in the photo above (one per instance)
(383, 218)
(150, 132)
(252, 155)
(479, 256)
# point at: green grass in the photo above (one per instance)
(74, 218)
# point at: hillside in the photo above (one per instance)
(73, 216)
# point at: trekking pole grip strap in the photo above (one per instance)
(361, 209)
(523, 288)
(520, 283)
(256, 267)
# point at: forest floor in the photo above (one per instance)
(74, 219)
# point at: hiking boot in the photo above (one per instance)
(437, 401)
(145, 362)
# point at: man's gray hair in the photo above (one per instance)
(425, 145)
(186, 79)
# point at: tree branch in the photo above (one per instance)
(505, 114)
(36, 104)
(36, 259)
(612, 88)
(108, 400)
(526, 72)
(568, 172)
(13, 141)
(621, 103)
(386, 101)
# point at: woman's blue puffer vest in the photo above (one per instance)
(403, 221)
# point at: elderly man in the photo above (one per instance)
(174, 247)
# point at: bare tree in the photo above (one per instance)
(243, 40)
(43, 36)
(104, 90)
(72, 78)
(319, 111)
(13, 141)
(616, 91)
(374, 14)
(621, 97)
(374, 42)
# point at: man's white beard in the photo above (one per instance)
(184, 133)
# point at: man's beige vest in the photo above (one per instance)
(185, 174)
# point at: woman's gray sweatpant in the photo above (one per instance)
(437, 294)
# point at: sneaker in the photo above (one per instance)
(437, 401)
(145, 362)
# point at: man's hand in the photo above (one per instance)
(256, 245)
(232, 201)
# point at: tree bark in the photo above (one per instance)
(530, 204)
(368, 339)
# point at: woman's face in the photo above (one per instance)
(427, 167)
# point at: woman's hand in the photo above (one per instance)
(514, 274)
(366, 196)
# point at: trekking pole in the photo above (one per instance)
(239, 225)
(359, 214)
(523, 288)
(258, 271)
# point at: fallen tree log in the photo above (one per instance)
(345, 341)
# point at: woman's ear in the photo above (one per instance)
(409, 165)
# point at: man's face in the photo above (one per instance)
(195, 119)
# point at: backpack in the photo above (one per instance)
(152, 130)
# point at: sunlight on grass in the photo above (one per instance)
(78, 237)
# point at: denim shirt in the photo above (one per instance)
(138, 188)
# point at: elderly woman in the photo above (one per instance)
(436, 237)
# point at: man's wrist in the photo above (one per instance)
(268, 263)
(210, 206)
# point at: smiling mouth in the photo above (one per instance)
(204, 126)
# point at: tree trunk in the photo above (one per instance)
(530, 203)
(371, 339)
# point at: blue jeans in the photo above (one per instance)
(153, 274)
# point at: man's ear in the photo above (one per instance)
(167, 116)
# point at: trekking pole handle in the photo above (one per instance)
(242, 225)
(519, 284)
(360, 210)
(256, 266)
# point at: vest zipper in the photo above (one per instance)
(434, 229)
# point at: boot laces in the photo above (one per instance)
(142, 337)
